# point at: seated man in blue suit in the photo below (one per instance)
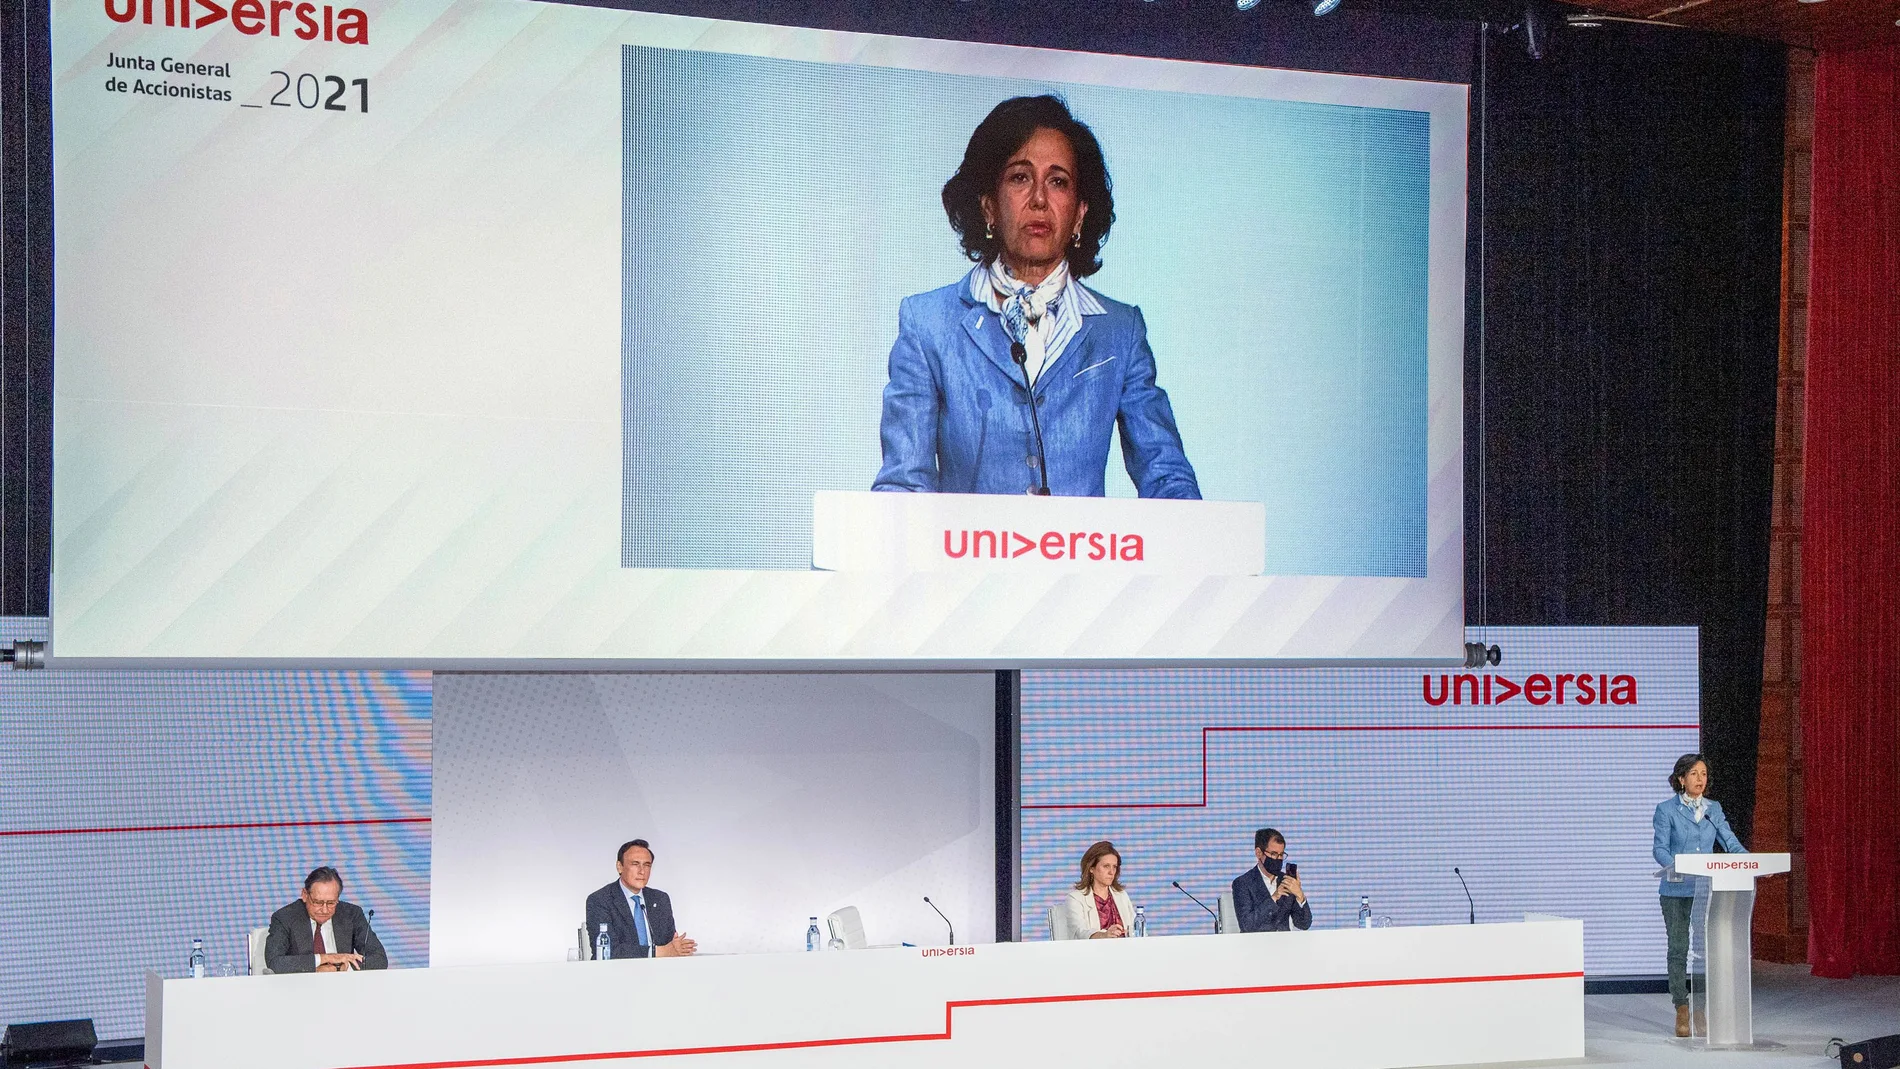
(1265, 898)
(639, 918)
(1031, 205)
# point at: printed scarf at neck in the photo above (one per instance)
(1030, 312)
(1698, 806)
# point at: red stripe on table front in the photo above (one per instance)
(950, 1008)
(1207, 730)
(219, 827)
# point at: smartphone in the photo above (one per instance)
(1292, 870)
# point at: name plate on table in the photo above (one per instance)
(878, 531)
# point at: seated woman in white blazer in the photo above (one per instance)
(1098, 907)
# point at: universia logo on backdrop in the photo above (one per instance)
(303, 20)
(1579, 688)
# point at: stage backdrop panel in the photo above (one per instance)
(1381, 779)
(139, 810)
(768, 799)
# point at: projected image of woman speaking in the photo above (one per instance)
(1031, 204)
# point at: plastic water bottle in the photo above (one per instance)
(1365, 911)
(1141, 924)
(814, 941)
(603, 946)
(197, 962)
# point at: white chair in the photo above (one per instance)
(255, 944)
(847, 928)
(1059, 922)
(1229, 920)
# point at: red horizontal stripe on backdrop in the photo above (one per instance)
(1207, 730)
(246, 826)
(949, 1013)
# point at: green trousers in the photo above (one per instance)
(1675, 913)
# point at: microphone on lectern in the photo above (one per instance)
(946, 920)
(1021, 356)
(1471, 916)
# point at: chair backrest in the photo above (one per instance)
(1059, 922)
(254, 943)
(1229, 920)
(847, 927)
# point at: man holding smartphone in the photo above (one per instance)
(1268, 897)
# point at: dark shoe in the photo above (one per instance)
(1682, 1022)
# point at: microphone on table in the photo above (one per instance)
(1177, 886)
(1472, 916)
(946, 920)
(1021, 356)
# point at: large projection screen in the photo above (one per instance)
(504, 333)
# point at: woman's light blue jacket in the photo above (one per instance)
(956, 415)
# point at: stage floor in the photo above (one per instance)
(1792, 1008)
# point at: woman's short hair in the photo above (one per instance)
(1683, 765)
(1096, 853)
(1007, 128)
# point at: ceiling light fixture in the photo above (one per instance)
(1324, 7)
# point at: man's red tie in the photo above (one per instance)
(318, 939)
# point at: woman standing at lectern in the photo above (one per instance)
(1031, 205)
(1689, 823)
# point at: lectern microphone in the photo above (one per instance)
(1021, 356)
(1471, 915)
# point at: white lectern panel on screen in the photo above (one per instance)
(866, 531)
(1730, 919)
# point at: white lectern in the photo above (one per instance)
(1728, 940)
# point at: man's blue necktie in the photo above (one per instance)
(640, 921)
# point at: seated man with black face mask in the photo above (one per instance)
(1266, 898)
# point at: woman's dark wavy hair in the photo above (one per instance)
(1683, 765)
(1007, 128)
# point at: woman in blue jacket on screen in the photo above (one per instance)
(1032, 206)
(1690, 822)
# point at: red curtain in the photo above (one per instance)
(1850, 586)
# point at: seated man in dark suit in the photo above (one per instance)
(320, 932)
(639, 918)
(1265, 898)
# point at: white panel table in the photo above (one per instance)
(1344, 998)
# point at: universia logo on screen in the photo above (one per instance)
(1580, 688)
(305, 21)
